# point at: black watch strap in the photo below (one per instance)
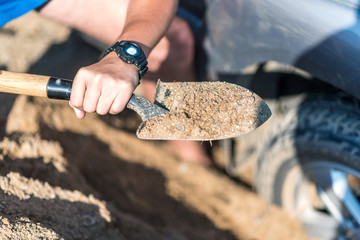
(131, 53)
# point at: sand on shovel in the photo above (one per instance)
(205, 111)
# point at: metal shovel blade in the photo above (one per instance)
(204, 111)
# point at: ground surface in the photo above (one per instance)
(61, 178)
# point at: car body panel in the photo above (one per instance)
(318, 36)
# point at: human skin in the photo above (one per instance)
(106, 86)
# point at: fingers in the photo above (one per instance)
(119, 104)
(91, 98)
(80, 114)
(102, 91)
(106, 100)
(114, 102)
(77, 95)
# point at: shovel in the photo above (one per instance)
(181, 111)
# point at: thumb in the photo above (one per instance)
(80, 113)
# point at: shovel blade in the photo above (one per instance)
(204, 111)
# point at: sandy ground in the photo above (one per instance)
(62, 178)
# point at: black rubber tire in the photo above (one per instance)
(323, 127)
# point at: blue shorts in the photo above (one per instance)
(10, 9)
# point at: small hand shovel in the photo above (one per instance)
(182, 110)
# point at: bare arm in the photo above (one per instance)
(108, 20)
(106, 86)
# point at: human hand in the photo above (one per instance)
(104, 87)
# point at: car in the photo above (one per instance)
(302, 57)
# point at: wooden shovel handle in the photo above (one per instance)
(35, 85)
(21, 83)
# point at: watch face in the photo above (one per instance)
(131, 50)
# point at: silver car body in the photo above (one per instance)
(321, 37)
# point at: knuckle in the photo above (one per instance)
(75, 103)
(126, 85)
(98, 78)
(82, 73)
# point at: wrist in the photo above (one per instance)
(131, 53)
(129, 71)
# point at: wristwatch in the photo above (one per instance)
(131, 53)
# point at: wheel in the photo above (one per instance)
(310, 165)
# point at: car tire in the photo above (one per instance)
(310, 160)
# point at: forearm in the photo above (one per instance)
(147, 22)
(143, 21)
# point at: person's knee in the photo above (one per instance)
(181, 41)
(176, 49)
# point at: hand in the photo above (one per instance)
(104, 87)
